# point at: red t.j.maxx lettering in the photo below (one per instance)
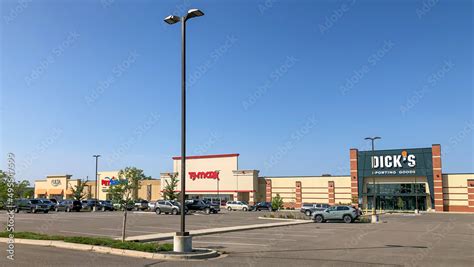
(204, 175)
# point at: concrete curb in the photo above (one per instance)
(166, 236)
(200, 254)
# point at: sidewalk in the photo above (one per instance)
(166, 236)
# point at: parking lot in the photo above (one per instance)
(109, 224)
(400, 240)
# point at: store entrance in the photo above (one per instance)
(397, 196)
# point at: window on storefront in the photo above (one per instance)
(397, 196)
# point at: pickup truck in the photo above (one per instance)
(199, 205)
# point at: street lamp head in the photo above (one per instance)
(194, 13)
(96, 156)
(172, 19)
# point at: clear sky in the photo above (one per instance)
(290, 85)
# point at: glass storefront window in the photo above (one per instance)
(397, 196)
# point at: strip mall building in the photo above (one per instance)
(400, 179)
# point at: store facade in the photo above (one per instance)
(214, 177)
(398, 179)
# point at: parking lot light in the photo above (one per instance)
(182, 240)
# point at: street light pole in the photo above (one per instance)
(182, 241)
(375, 218)
(96, 177)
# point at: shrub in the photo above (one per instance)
(277, 202)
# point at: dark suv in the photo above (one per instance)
(69, 205)
(90, 204)
(107, 205)
(263, 206)
(31, 205)
(141, 204)
(199, 205)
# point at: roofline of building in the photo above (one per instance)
(208, 156)
(458, 173)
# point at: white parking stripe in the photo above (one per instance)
(229, 243)
(243, 237)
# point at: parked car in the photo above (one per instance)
(69, 205)
(263, 206)
(215, 204)
(141, 204)
(152, 205)
(199, 205)
(167, 207)
(90, 204)
(54, 201)
(346, 213)
(31, 205)
(51, 205)
(309, 208)
(237, 205)
(106, 205)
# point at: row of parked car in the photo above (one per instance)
(68, 205)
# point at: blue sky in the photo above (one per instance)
(290, 85)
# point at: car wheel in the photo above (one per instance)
(347, 218)
(17, 210)
(229, 208)
(157, 211)
(308, 213)
(174, 211)
(46, 211)
(68, 209)
(33, 210)
(318, 219)
(103, 208)
(56, 209)
(245, 209)
(207, 210)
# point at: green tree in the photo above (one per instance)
(277, 202)
(78, 190)
(169, 192)
(134, 176)
(126, 190)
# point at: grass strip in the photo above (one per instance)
(95, 241)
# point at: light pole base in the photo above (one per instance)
(94, 208)
(182, 243)
(417, 211)
(375, 218)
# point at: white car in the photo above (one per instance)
(237, 205)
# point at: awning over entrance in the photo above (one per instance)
(55, 192)
(40, 191)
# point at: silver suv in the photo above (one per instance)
(346, 213)
(167, 207)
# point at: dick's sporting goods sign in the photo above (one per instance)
(397, 162)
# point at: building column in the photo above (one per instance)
(331, 194)
(298, 195)
(437, 178)
(236, 196)
(268, 190)
(252, 198)
(470, 195)
(354, 176)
